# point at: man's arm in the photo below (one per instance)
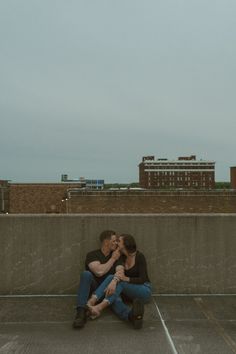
(100, 269)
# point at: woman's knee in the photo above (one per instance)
(147, 296)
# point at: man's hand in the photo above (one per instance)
(111, 288)
(116, 254)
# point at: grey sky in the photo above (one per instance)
(89, 87)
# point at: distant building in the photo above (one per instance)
(184, 173)
(4, 196)
(85, 183)
(233, 177)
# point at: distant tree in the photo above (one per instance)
(222, 185)
(121, 185)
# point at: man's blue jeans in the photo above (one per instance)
(141, 291)
(86, 286)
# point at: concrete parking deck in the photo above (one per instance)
(172, 324)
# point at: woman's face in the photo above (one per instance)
(121, 244)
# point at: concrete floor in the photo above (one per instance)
(172, 324)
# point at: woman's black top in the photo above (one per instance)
(138, 273)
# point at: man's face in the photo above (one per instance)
(113, 242)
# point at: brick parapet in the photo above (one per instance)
(38, 198)
(47, 198)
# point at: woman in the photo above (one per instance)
(132, 281)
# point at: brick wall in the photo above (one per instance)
(47, 198)
(143, 202)
(38, 198)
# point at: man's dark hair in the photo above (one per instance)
(106, 235)
(129, 243)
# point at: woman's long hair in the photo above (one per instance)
(129, 243)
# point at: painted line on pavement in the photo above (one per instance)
(166, 329)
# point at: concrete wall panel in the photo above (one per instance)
(188, 253)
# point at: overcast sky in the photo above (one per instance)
(89, 87)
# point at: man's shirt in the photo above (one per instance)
(97, 255)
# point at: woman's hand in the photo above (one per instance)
(121, 275)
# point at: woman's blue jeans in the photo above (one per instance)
(132, 291)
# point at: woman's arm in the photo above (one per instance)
(141, 265)
(142, 271)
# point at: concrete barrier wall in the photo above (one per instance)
(188, 253)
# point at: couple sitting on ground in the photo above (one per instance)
(115, 270)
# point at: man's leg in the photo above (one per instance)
(87, 283)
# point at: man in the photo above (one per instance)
(98, 265)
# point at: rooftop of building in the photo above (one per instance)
(191, 262)
(179, 160)
(172, 324)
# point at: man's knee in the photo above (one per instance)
(86, 275)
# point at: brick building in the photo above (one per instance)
(233, 177)
(185, 173)
(4, 196)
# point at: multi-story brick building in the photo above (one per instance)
(185, 173)
(233, 177)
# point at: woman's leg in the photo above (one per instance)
(100, 291)
(140, 291)
(96, 310)
(134, 291)
(121, 309)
